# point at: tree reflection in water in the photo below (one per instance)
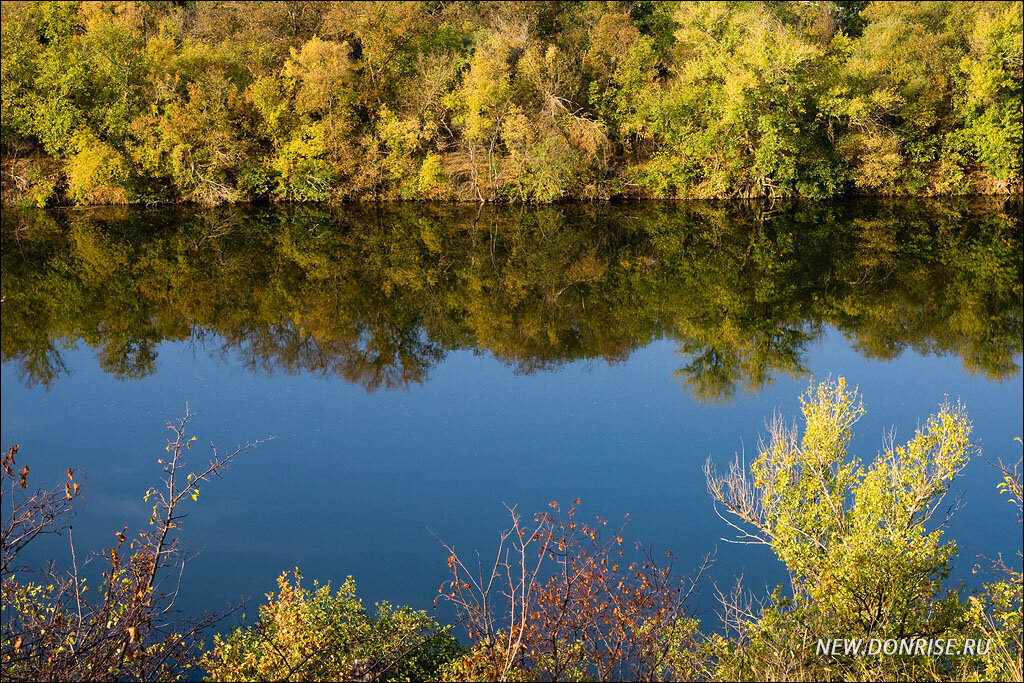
(378, 294)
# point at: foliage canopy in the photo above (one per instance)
(115, 102)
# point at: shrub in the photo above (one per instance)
(562, 602)
(861, 541)
(314, 635)
(97, 173)
(57, 626)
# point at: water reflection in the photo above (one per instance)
(378, 295)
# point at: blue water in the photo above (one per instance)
(357, 483)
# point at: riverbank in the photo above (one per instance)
(508, 102)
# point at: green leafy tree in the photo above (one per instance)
(862, 541)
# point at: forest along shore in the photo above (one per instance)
(121, 102)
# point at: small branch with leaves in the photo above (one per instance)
(52, 630)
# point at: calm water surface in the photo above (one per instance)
(422, 365)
